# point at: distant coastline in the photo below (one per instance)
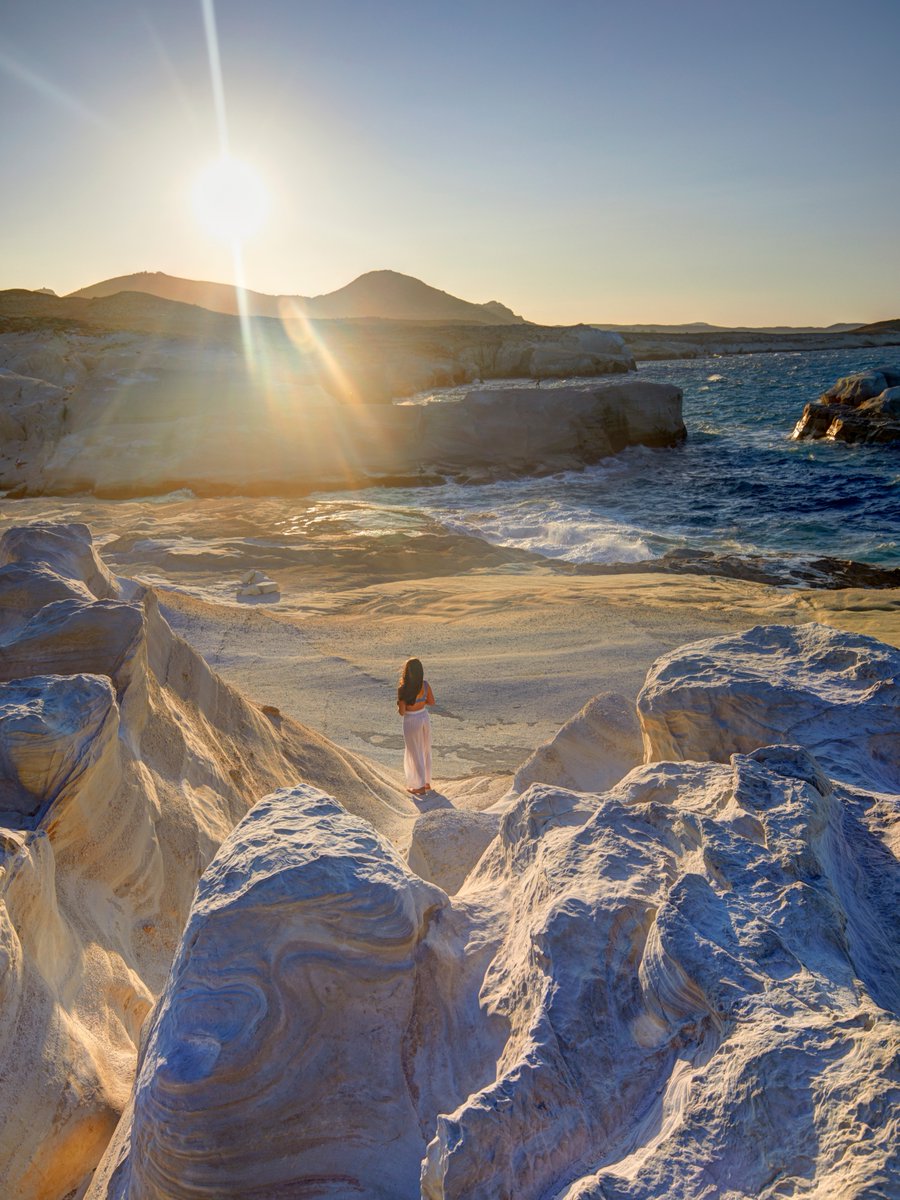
(657, 347)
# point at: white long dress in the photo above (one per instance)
(417, 755)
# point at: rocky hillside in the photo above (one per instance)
(385, 295)
(684, 985)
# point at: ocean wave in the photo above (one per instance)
(738, 484)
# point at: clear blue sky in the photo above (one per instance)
(648, 160)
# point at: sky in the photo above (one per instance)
(636, 161)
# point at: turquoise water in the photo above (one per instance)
(738, 485)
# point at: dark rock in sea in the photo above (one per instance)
(864, 407)
(755, 568)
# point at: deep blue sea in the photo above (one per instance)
(738, 485)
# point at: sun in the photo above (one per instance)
(230, 200)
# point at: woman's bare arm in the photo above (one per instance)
(429, 698)
(401, 707)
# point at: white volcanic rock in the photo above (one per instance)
(447, 843)
(53, 728)
(67, 550)
(516, 430)
(124, 762)
(836, 693)
(125, 414)
(685, 987)
(855, 389)
(27, 403)
(591, 752)
(257, 583)
(309, 936)
(581, 351)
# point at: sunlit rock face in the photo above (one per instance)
(308, 937)
(591, 752)
(864, 407)
(447, 843)
(125, 414)
(124, 762)
(687, 985)
(837, 694)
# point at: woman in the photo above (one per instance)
(414, 697)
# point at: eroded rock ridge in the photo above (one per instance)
(684, 985)
(124, 763)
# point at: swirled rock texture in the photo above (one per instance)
(124, 762)
(687, 985)
(858, 408)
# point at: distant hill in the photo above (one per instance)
(705, 327)
(892, 325)
(386, 295)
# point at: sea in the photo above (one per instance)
(738, 485)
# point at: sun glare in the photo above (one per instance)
(230, 200)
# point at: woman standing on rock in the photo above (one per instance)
(414, 697)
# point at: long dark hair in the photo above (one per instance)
(410, 683)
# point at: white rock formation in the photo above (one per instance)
(126, 414)
(836, 693)
(858, 408)
(685, 987)
(448, 842)
(124, 762)
(591, 752)
(257, 583)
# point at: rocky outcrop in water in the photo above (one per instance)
(124, 763)
(859, 408)
(686, 985)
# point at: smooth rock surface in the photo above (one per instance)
(447, 843)
(685, 986)
(308, 935)
(124, 762)
(837, 694)
(591, 752)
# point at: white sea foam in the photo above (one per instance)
(553, 530)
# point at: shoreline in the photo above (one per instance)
(678, 347)
(321, 532)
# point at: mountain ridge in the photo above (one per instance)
(382, 294)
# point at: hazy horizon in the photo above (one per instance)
(659, 165)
